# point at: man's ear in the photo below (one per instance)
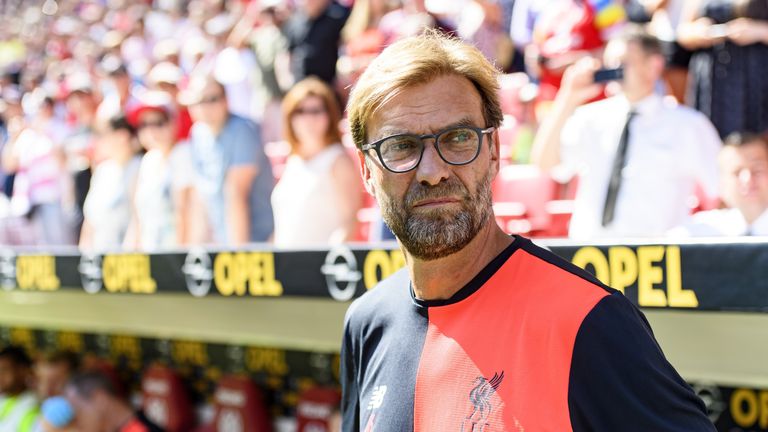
(365, 171)
(495, 148)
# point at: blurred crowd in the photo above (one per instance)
(155, 125)
(62, 391)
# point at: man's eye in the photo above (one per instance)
(401, 145)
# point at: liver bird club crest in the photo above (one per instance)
(480, 397)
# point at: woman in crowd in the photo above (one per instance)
(163, 199)
(107, 210)
(319, 193)
(727, 72)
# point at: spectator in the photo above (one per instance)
(480, 23)
(320, 179)
(410, 19)
(638, 155)
(163, 200)
(662, 18)
(108, 206)
(97, 406)
(565, 31)
(233, 175)
(79, 147)
(118, 96)
(313, 34)
(52, 372)
(727, 75)
(744, 190)
(18, 404)
(36, 160)
(260, 29)
(362, 37)
(166, 77)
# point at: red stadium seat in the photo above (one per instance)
(239, 407)
(521, 194)
(315, 408)
(165, 400)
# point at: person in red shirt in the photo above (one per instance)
(98, 407)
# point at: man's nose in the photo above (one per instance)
(745, 176)
(432, 169)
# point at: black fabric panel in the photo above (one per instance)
(620, 379)
(383, 340)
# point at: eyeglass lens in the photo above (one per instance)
(456, 146)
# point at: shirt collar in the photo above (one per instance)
(760, 226)
(645, 106)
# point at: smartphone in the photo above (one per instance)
(605, 75)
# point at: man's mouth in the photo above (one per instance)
(435, 202)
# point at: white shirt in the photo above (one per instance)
(725, 222)
(305, 201)
(159, 177)
(671, 148)
(107, 206)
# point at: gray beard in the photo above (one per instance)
(438, 233)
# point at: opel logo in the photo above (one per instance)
(90, 273)
(7, 270)
(341, 274)
(198, 272)
(711, 396)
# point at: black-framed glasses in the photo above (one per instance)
(401, 153)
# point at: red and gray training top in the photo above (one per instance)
(532, 343)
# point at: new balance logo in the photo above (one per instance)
(377, 397)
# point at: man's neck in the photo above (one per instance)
(752, 214)
(443, 277)
(119, 416)
(218, 127)
(637, 95)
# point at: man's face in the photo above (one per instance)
(51, 377)
(211, 108)
(89, 412)
(12, 377)
(436, 209)
(641, 70)
(744, 177)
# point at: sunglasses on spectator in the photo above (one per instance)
(208, 100)
(153, 124)
(309, 111)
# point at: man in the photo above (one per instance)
(234, 176)
(52, 372)
(743, 188)
(638, 155)
(18, 405)
(313, 35)
(98, 408)
(481, 331)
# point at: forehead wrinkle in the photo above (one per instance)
(390, 130)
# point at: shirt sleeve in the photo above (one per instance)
(247, 148)
(703, 152)
(350, 396)
(620, 379)
(572, 143)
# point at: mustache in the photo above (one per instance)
(451, 187)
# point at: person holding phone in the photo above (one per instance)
(638, 155)
(727, 75)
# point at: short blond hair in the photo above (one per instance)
(418, 60)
